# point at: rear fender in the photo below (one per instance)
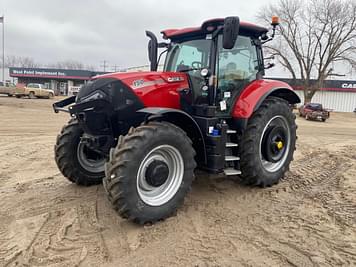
(255, 93)
(183, 121)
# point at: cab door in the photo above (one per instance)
(236, 68)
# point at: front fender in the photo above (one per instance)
(256, 92)
(184, 121)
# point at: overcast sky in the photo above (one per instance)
(91, 31)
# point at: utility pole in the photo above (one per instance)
(3, 47)
(115, 67)
(104, 65)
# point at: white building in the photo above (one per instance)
(338, 95)
(336, 100)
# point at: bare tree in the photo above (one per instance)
(314, 35)
(29, 62)
(90, 67)
(20, 61)
(68, 64)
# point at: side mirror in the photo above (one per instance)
(230, 32)
(152, 50)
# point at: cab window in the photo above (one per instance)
(188, 55)
(236, 67)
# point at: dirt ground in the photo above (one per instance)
(309, 219)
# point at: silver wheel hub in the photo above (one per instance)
(160, 175)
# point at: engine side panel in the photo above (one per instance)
(256, 92)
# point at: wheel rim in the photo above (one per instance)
(163, 189)
(275, 144)
(89, 159)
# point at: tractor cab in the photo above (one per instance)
(220, 58)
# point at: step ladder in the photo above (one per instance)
(231, 171)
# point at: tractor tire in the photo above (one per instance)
(268, 143)
(77, 162)
(149, 172)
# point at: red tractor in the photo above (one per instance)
(144, 133)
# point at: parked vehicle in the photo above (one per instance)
(7, 88)
(314, 111)
(35, 90)
(144, 133)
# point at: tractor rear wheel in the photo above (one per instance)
(76, 161)
(268, 143)
(150, 171)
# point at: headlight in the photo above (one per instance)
(93, 96)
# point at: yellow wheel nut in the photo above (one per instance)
(280, 145)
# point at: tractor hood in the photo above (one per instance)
(140, 79)
(116, 97)
(150, 89)
(153, 89)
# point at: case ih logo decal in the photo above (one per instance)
(348, 85)
(175, 79)
(142, 83)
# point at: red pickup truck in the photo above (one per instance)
(314, 111)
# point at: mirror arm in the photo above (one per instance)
(164, 45)
(217, 31)
(272, 36)
(269, 65)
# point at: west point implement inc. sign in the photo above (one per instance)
(51, 73)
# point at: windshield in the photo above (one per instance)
(188, 55)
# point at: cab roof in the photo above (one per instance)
(208, 27)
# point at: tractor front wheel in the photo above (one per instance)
(76, 161)
(268, 143)
(150, 171)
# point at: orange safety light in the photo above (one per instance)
(275, 21)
